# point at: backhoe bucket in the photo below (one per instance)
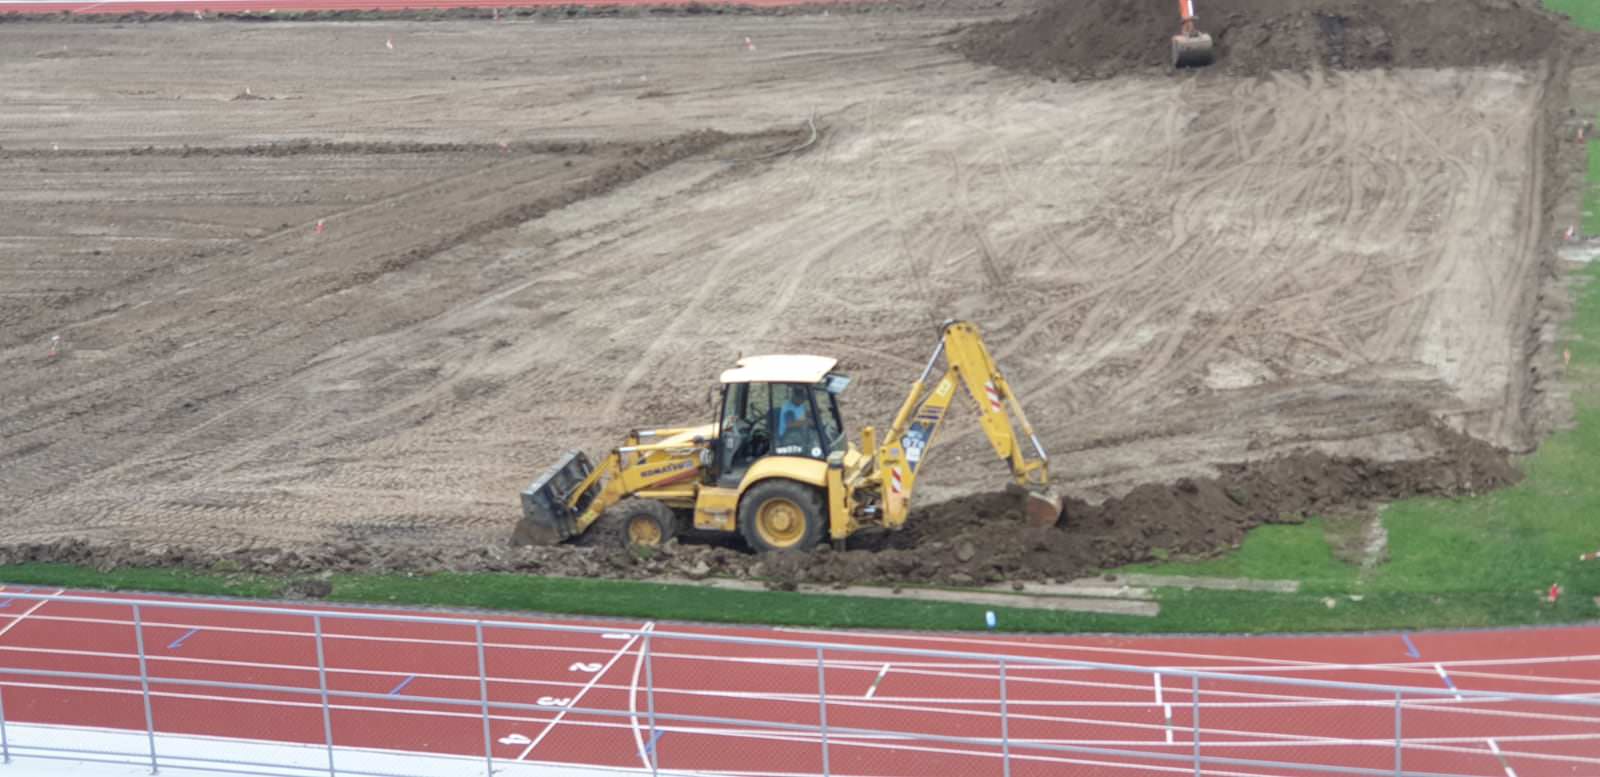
(1042, 507)
(548, 513)
(1192, 50)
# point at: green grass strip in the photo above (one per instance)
(1584, 13)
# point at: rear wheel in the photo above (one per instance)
(644, 522)
(781, 515)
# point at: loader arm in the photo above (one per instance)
(916, 426)
(569, 497)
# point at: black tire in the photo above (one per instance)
(643, 522)
(779, 514)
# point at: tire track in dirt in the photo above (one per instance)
(1222, 269)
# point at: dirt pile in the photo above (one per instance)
(1102, 38)
(970, 541)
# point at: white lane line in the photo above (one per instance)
(876, 681)
(1157, 681)
(940, 705)
(1231, 664)
(1494, 748)
(908, 665)
(30, 611)
(602, 673)
(633, 707)
(1428, 744)
(1451, 684)
(1168, 708)
(886, 640)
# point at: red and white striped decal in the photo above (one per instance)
(895, 484)
(994, 396)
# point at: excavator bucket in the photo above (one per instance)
(549, 514)
(1192, 50)
(1042, 507)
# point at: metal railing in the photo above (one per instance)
(1015, 710)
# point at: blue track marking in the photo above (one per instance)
(178, 643)
(653, 740)
(403, 684)
(1411, 648)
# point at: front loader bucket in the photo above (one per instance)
(549, 515)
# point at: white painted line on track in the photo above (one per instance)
(876, 681)
(1050, 646)
(30, 611)
(909, 666)
(1157, 681)
(1231, 663)
(192, 753)
(633, 708)
(1494, 748)
(1445, 676)
(622, 651)
(1168, 709)
(946, 706)
(1270, 740)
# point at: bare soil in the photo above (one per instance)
(338, 324)
(1105, 38)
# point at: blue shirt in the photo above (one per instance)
(790, 410)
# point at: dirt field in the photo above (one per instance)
(311, 290)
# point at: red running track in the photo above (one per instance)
(291, 6)
(870, 685)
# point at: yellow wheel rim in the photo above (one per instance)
(643, 531)
(781, 523)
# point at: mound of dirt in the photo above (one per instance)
(1102, 38)
(969, 541)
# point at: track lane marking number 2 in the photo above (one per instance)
(565, 703)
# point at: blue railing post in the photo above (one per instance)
(1005, 725)
(322, 685)
(650, 704)
(483, 697)
(822, 709)
(5, 744)
(144, 688)
(1397, 738)
(1194, 687)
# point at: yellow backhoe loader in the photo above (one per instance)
(776, 467)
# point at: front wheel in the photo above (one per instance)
(643, 522)
(781, 514)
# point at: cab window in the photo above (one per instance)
(746, 433)
(828, 422)
(799, 433)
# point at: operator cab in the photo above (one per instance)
(777, 406)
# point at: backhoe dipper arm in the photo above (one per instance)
(968, 363)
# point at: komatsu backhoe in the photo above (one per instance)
(776, 467)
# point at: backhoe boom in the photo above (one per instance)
(916, 426)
